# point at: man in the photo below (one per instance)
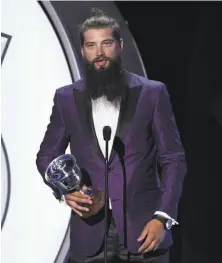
(144, 140)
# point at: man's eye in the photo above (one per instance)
(90, 45)
(108, 42)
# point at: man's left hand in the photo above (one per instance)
(152, 235)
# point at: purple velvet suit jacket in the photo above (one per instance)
(146, 134)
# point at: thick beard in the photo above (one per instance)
(109, 82)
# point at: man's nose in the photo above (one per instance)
(100, 51)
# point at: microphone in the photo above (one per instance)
(106, 137)
(106, 133)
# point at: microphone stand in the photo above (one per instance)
(106, 135)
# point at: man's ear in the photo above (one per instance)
(82, 51)
(121, 44)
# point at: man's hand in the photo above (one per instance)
(152, 235)
(78, 202)
(83, 205)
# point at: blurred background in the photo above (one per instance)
(178, 43)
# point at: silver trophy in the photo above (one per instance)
(64, 174)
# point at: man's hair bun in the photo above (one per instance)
(97, 12)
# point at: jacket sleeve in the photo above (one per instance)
(54, 143)
(170, 153)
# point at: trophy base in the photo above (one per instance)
(88, 191)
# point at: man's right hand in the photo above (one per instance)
(76, 200)
(83, 205)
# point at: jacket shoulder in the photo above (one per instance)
(68, 89)
(145, 82)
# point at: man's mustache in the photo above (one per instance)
(97, 59)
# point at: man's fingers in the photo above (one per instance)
(78, 199)
(142, 236)
(77, 212)
(157, 246)
(77, 207)
(81, 208)
(80, 194)
(146, 243)
(152, 246)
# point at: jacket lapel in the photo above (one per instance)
(127, 110)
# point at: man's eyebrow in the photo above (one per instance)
(90, 42)
(108, 39)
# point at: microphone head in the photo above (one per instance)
(106, 133)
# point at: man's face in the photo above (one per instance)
(100, 47)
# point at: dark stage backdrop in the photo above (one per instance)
(180, 44)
